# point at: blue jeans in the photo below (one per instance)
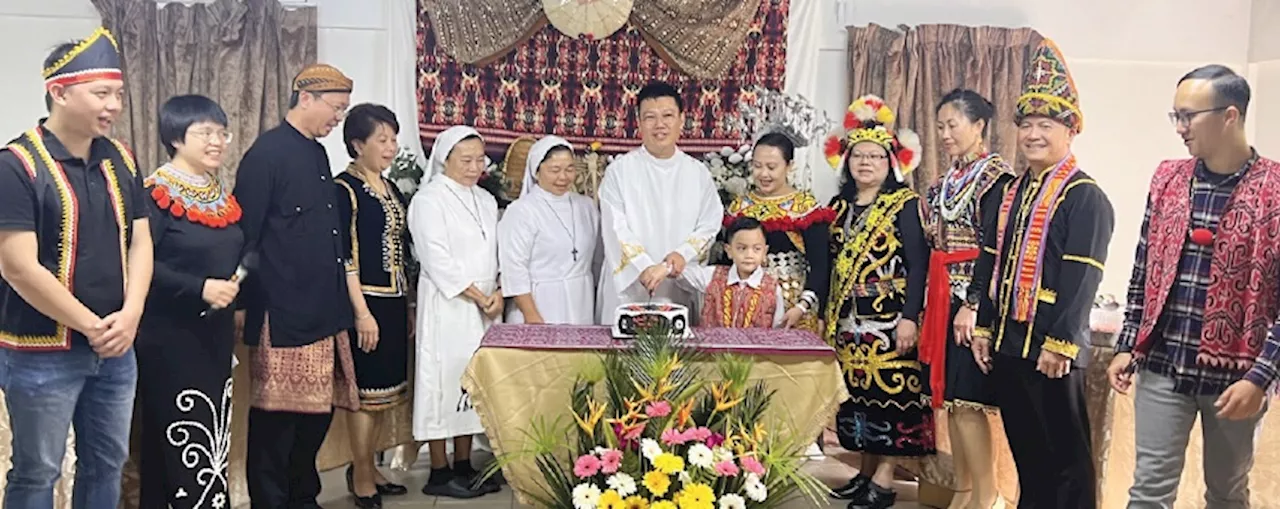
(47, 393)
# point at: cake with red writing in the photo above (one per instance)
(633, 319)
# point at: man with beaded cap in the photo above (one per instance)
(1042, 259)
(297, 305)
(75, 256)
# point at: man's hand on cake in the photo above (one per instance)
(792, 317)
(906, 336)
(676, 261)
(653, 276)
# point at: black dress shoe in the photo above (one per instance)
(373, 502)
(876, 498)
(456, 487)
(854, 489)
(392, 489)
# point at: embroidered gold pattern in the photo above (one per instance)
(726, 302)
(629, 253)
(1061, 347)
(863, 366)
(1083, 259)
(117, 202)
(1047, 296)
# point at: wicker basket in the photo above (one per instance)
(514, 163)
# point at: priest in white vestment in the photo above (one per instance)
(454, 226)
(659, 210)
(547, 242)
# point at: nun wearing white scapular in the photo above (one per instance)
(454, 224)
(547, 242)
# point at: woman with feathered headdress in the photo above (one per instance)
(879, 264)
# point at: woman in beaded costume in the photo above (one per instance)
(795, 230)
(879, 264)
(951, 212)
(187, 335)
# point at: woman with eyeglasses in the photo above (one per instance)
(879, 267)
(186, 336)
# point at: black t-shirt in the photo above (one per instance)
(97, 267)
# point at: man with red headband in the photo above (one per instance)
(75, 255)
(1203, 300)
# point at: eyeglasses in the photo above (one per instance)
(209, 136)
(1183, 118)
(340, 111)
(867, 157)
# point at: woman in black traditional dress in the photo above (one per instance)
(374, 233)
(878, 276)
(951, 212)
(186, 337)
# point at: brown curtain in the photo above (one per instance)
(240, 53)
(912, 68)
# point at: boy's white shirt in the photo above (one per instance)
(698, 277)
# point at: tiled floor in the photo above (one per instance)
(834, 470)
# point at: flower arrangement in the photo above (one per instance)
(650, 432)
(731, 170)
(406, 172)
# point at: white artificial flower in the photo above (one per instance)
(744, 149)
(622, 483)
(733, 501)
(716, 162)
(406, 186)
(721, 454)
(726, 151)
(600, 450)
(586, 496)
(685, 478)
(650, 448)
(756, 490)
(717, 171)
(750, 154)
(736, 185)
(735, 158)
(700, 456)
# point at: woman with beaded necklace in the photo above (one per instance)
(951, 213)
(186, 338)
(795, 229)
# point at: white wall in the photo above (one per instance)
(1126, 57)
(1264, 76)
(29, 29)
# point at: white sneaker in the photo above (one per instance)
(814, 452)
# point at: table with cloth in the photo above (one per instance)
(522, 372)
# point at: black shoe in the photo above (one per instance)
(374, 502)
(456, 487)
(876, 498)
(854, 489)
(392, 489)
(473, 476)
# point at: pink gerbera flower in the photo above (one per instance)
(658, 409)
(726, 468)
(673, 437)
(610, 461)
(700, 434)
(751, 464)
(586, 466)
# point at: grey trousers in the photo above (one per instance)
(1163, 420)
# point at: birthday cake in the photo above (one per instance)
(631, 319)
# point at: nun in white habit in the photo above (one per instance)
(454, 225)
(547, 242)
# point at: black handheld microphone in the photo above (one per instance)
(248, 264)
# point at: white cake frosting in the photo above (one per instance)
(630, 318)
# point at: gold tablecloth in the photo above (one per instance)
(511, 386)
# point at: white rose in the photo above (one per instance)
(735, 158)
(744, 149)
(406, 186)
(736, 185)
(726, 151)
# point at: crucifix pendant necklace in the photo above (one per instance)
(573, 232)
(474, 215)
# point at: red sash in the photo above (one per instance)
(937, 318)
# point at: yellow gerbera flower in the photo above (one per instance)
(611, 500)
(657, 483)
(668, 463)
(663, 504)
(636, 503)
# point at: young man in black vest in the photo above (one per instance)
(75, 255)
